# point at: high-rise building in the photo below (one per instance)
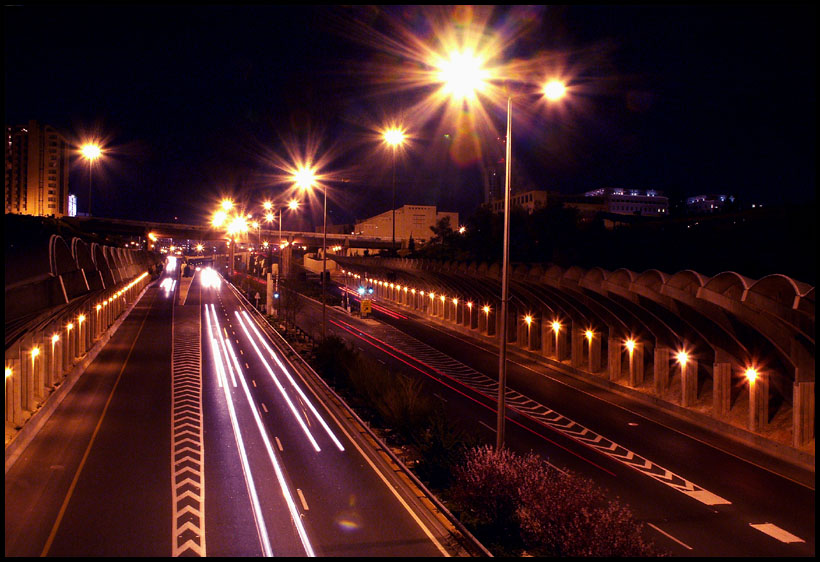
(37, 165)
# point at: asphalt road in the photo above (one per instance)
(699, 494)
(188, 434)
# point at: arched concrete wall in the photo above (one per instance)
(45, 270)
(728, 317)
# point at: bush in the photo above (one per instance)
(441, 446)
(523, 502)
(333, 360)
(485, 491)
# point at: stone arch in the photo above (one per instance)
(652, 279)
(60, 257)
(729, 285)
(687, 281)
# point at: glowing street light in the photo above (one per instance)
(91, 152)
(752, 374)
(395, 138)
(462, 75)
(305, 179)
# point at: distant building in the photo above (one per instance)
(708, 203)
(588, 205)
(411, 221)
(632, 201)
(528, 200)
(37, 165)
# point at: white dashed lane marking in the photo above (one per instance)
(774, 531)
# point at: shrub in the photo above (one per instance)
(516, 502)
(485, 491)
(334, 359)
(441, 446)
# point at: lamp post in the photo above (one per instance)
(394, 137)
(305, 179)
(91, 152)
(462, 76)
(554, 90)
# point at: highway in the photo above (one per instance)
(698, 493)
(191, 434)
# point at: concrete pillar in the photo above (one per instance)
(70, 348)
(43, 343)
(492, 327)
(562, 343)
(82, 336)
(522, 336)
(481, 320)
(534, 335)
(636, 365)
(661, 369)
(547, 341)
(689, 383)
(803, 412)
(614, 358)
(721, 389)
(53, 361)
(28, 364)
(577, 345)
(594, 353)
(286, 255)
(14, 387)
(759, 403)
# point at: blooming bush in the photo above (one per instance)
(525, 503)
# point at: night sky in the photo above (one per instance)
(200, 102)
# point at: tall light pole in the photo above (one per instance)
(394, 137)
(553, 91)
(305, 179)
(91, 152)
(462, 76)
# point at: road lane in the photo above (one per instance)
(94, 480)
(346, 508)
(718, 529)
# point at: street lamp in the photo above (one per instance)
(91, 152)
(553, 91)
(305, 179)
(394, 137)
(462, 77)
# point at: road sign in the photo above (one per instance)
(366, 308)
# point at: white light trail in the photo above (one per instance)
(214, 347)
(224, 349)
(280, 387)
(259, 518)
(293, 382)
(294, 512)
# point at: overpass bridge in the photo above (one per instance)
(123, 227)
(631, 329)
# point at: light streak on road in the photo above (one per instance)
(224, 349)
(280, 387)
(258, 516)
(168, 284)
(292, 508)
(293, 382)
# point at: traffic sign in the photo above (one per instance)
(366, 307)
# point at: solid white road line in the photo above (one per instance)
(661, 531)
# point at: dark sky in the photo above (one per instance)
(195, 100)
